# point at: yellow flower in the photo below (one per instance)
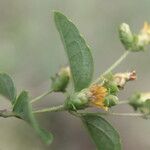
(97, 96)
(146, 28)
(144, 36)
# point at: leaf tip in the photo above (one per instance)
(57, 15)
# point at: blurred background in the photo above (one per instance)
(31, 51)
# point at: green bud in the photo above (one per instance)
(137, 45)
(143, 38)
(145, 109)
(135, 101)
(141, 102)
(110, 85)
(111, 100)
(61, 80)
(77, 101)
(126, 36)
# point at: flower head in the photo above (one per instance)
(97, 96)
(144, 36)
(146, 28)
(121, 78)
(140, 102)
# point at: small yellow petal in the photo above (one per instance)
(98, 94)
(146, 28)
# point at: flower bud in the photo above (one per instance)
(145, 109)
(111, 100)
(77, 101)
(126, 36)
(144, 36)
(142, 39)
(141, 102)
(135, 101)
(61, 80)
(113, 83)
(94, 96)
(112, 87)
(109, 84)
(121, 78)
(137, 45)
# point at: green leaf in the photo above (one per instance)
(103, 134)
(79, 54)
(23, 109)
(7, 88)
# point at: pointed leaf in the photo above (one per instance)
(7, 88)
(103, 134)
(79, 54)
(23, 109)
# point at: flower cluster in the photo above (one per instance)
(134, 42)
(102, 95)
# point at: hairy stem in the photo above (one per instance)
(51, 109)
(41, 96)
(127, 114)
(123, 102)
(112, 114)
(125, 54)
(113, 66)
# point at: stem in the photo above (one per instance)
(41, 96)
(75, 113)
(6, 114)
(116, 114)
(123, 102)
(127, 114)
(125, 54)
(113, 66)
(51, 109)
